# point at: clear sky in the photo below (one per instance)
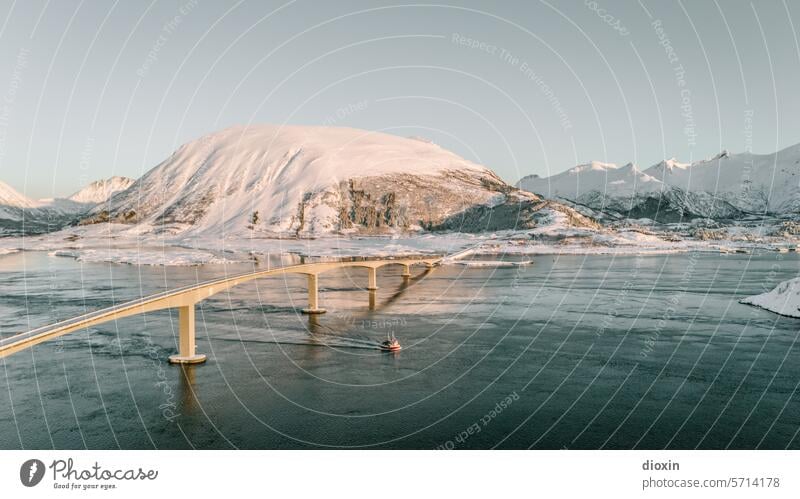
(90, 89)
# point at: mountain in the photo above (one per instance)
(100, 190)
(9, 197)
(305, 181)
(727, 186)
(20, 214)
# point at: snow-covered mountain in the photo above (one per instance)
(20, 214)
(727, 186)
(100, 190)
(296, 180)
(11, 198)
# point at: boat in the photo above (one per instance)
(391, 345)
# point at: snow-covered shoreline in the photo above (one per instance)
(167, 256)
(783, 300)
(114, 243)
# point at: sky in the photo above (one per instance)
(91, 89)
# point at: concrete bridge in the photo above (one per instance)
(185, 299)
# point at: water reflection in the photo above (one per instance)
(314, 326)
(186, 378)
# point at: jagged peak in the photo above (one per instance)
(100, 190)
(672, 164)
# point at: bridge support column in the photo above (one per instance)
(406, 271)
(186, 339)
(373, 279)
(313, 296)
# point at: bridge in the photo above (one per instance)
(185, 299)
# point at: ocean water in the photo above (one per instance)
(580, 352)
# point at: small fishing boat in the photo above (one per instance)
(391, 345)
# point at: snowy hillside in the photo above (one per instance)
(727, 186)
(99, 191)
(262, 179)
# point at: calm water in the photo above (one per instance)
(570, 352)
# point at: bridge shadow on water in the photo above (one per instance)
(322, 329)
(344, 326)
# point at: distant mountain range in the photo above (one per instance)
(20, 214)
(725, 187)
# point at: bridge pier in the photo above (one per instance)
(372, 285)
(186, 339)
(313, 297)
(406, 271)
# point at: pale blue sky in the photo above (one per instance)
(81, 99)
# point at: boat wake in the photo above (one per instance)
(320, 336)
